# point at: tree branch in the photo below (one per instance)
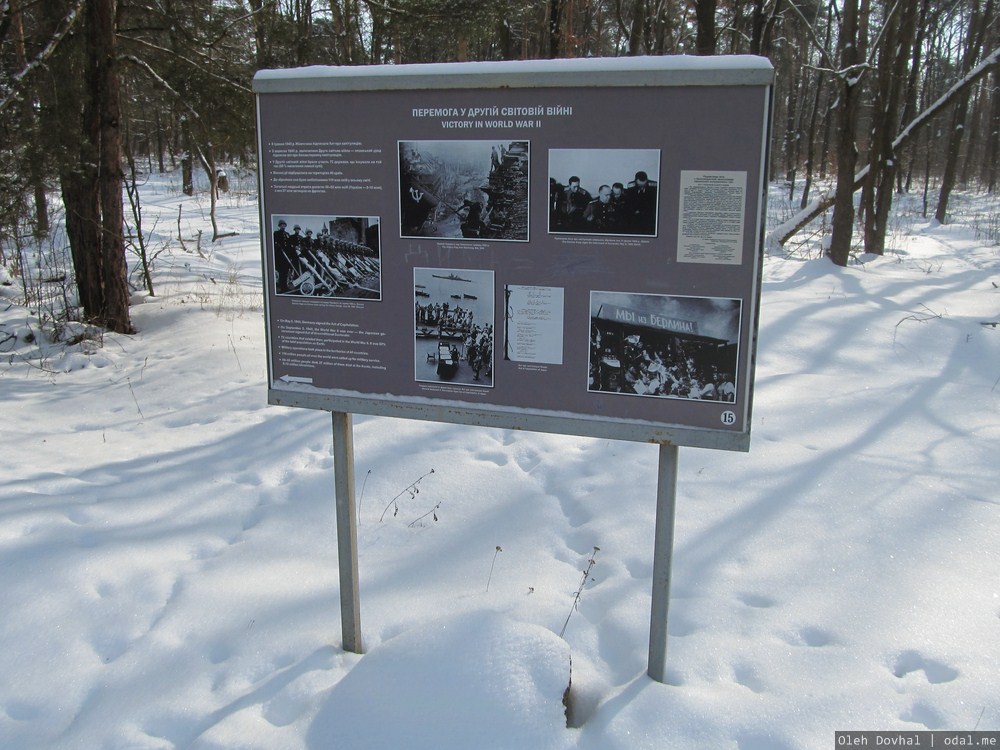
(824, 53)
(192, 63)
(784, 232)
(17, 81)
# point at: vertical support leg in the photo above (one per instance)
(347, 531)
(663, 549)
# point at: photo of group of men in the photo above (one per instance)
(616, 209)
(340, 259)
(596, 202)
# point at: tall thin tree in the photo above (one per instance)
(979, 18)
(103, 110)
(847, 124)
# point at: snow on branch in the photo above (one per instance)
(204, 69)
(785, 231)
(67, 24)
(945, 99)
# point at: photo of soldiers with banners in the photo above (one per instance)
(476, 190)
(664, 346)
(603, 191)
(327, 256)
(453, 326)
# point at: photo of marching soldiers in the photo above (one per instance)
(453, 326)
(318, 256)
(603, 191)
(664, 346)
(464, 189)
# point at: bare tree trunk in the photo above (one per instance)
(261, 14)
(634, 27)
(187, 157)
(828, 118)
(847, 123)
(36, 157)
(212, 170)
(663, 28)
(75, 156)
(993, 143)
(793, 126)
(106, 107)
(811, 139)
(910, 97)
(555, 8)
(977, 27)
(303, 17)
(877, 193)
(763, 26)
(705, 37)
(948, 179)
(820, 85)
(160, 146)
(344, 16)
(80, 200)
(972, 152)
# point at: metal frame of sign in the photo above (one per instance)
(634, 320)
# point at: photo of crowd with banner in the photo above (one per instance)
(664, 346)
(464, 189)
(327, 256)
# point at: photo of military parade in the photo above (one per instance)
(475, 190)
(664, 346)
(453, 326)
(603, 191)
(327, 256)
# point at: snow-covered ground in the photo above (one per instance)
(168, 563)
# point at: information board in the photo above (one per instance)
(568, 246)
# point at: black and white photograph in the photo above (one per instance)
(603, 191)
(664, 346)
(327, 256)
(453, 326)
(473, 190)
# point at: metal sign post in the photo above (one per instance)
(663, 547)
(347, 531)
(347, 545)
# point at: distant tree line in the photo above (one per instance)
(876, 96)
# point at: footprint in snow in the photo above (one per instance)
(912, 661)
(923, 714)
(757, 601)
(811, 636)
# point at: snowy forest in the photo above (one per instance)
(169, 571)
(871, 98)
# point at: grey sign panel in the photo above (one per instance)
(566, 246)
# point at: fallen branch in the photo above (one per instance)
(785, 231)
